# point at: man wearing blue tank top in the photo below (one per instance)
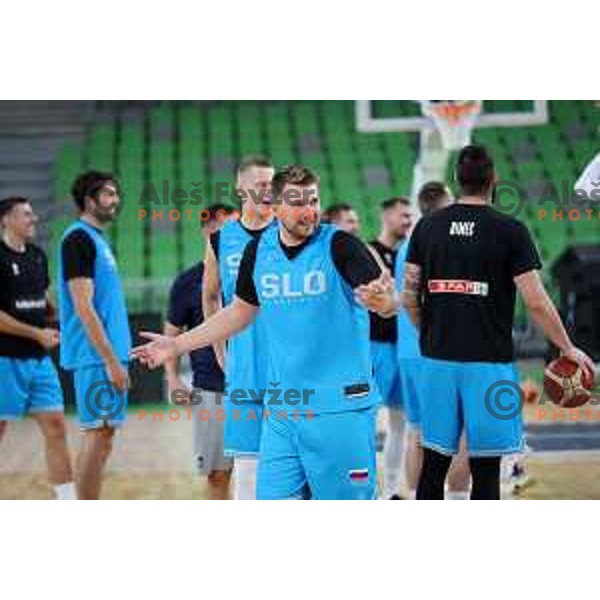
(94, 325)
(245, 362)
(318, 440)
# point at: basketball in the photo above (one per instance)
(566, 383)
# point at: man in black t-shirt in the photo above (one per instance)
(184, 313)
(396, 222)
(464, 266)
(29, 383)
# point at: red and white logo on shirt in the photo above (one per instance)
(457, 286)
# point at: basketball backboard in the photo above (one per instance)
(534, 112)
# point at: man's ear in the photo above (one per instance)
(492, 192)
(87, 201)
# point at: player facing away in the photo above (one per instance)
(343, 216)
(29, 383)
(431, 197)
(464, 266)
(95, 329)
(319, 439)
(396, 222)
(245, 363)
(184, 313)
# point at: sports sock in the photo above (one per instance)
(65, 491)
(456, 495)
(244, 476)
(392, 453)
(485, 472)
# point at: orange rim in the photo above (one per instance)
(454, 113)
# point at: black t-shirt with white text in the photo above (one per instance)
(469, 256)
(384, 329)
(23, 284)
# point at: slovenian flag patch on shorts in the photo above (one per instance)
(359, 475)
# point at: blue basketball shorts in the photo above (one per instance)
(99, 403)
(321, 457)
(243, 428)
(385, 373)
(27, 386)
(483, 399)
(410, 374)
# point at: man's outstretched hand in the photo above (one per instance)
(155, 353)
(378, 295)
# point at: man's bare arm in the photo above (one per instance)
(82, 294)
(411, 296)
(51, 312)
(224, 324)
(12, 326)
(172, 365)
(218, 328)
(542, 310)
(175, 385)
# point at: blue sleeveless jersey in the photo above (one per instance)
(408, 334)
(247, 362)
(76, 350)
(318, 334)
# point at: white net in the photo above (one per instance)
(454, 119)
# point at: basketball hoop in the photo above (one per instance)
(454, 119)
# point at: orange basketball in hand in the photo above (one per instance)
(567, 384)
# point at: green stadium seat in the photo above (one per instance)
(68, 164)
(101, 148)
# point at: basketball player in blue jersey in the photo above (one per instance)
(245, 364)
(319, 438)
(94, 326)
(396, 222)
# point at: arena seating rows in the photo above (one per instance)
(186, 142)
